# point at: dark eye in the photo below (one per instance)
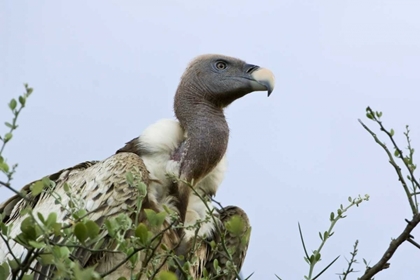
(221, 65)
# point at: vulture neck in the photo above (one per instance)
(207, 133)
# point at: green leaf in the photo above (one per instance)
(12, 104)
(79, 214)
(92, 228)
(52, 219)
(40, 217)
(332, 216)
(142, 189)
(142, 233)
(134, 258)
(28, 277)
(37, 188)
(205, 273)
(150, 215)
(320, 236)
(85, 273)
(236, 225)
(160, 218)
(13, 264)
(111, 226)
(22, 100)
(64, 252)
(369, 116)
(9, 125)
(29, 90)
(4, 167)
(66, 187)
(36, 245)
(129, 177)
(392, 132)
(56, 229)
(155, 219)
(123, 221)
(28, 229)
(215, 264)
(245, 238)
(4, 271)
(25, 211)
(326, 235)
(47, 259)
(166, 275)
(7, 137)
(4, 228)
(81, 232)
(47, 182)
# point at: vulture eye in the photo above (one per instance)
(221, 65)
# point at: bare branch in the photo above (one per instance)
(413, 242)
(383, 262)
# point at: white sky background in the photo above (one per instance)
(104, 70)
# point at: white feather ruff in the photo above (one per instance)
(163, 138)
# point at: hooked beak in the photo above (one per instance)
(262, 79)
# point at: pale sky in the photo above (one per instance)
(102, 71)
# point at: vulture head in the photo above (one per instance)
(209, 84)
(219, 80)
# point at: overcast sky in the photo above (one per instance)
(104, 70)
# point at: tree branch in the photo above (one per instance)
(396, 167)
(383, 262)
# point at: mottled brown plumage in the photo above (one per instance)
(104, 179)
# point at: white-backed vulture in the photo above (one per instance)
(191, 148)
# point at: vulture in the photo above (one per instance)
(157, 189)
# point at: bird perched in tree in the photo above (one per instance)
(172, 169)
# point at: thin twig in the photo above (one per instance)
(10, 249)
(396, 167)
(413, 242)
(351, 262)
(7, 185)
(84, 248)
(135, 252)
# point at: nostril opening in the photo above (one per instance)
(251, 69)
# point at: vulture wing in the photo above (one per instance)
(102, 189)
